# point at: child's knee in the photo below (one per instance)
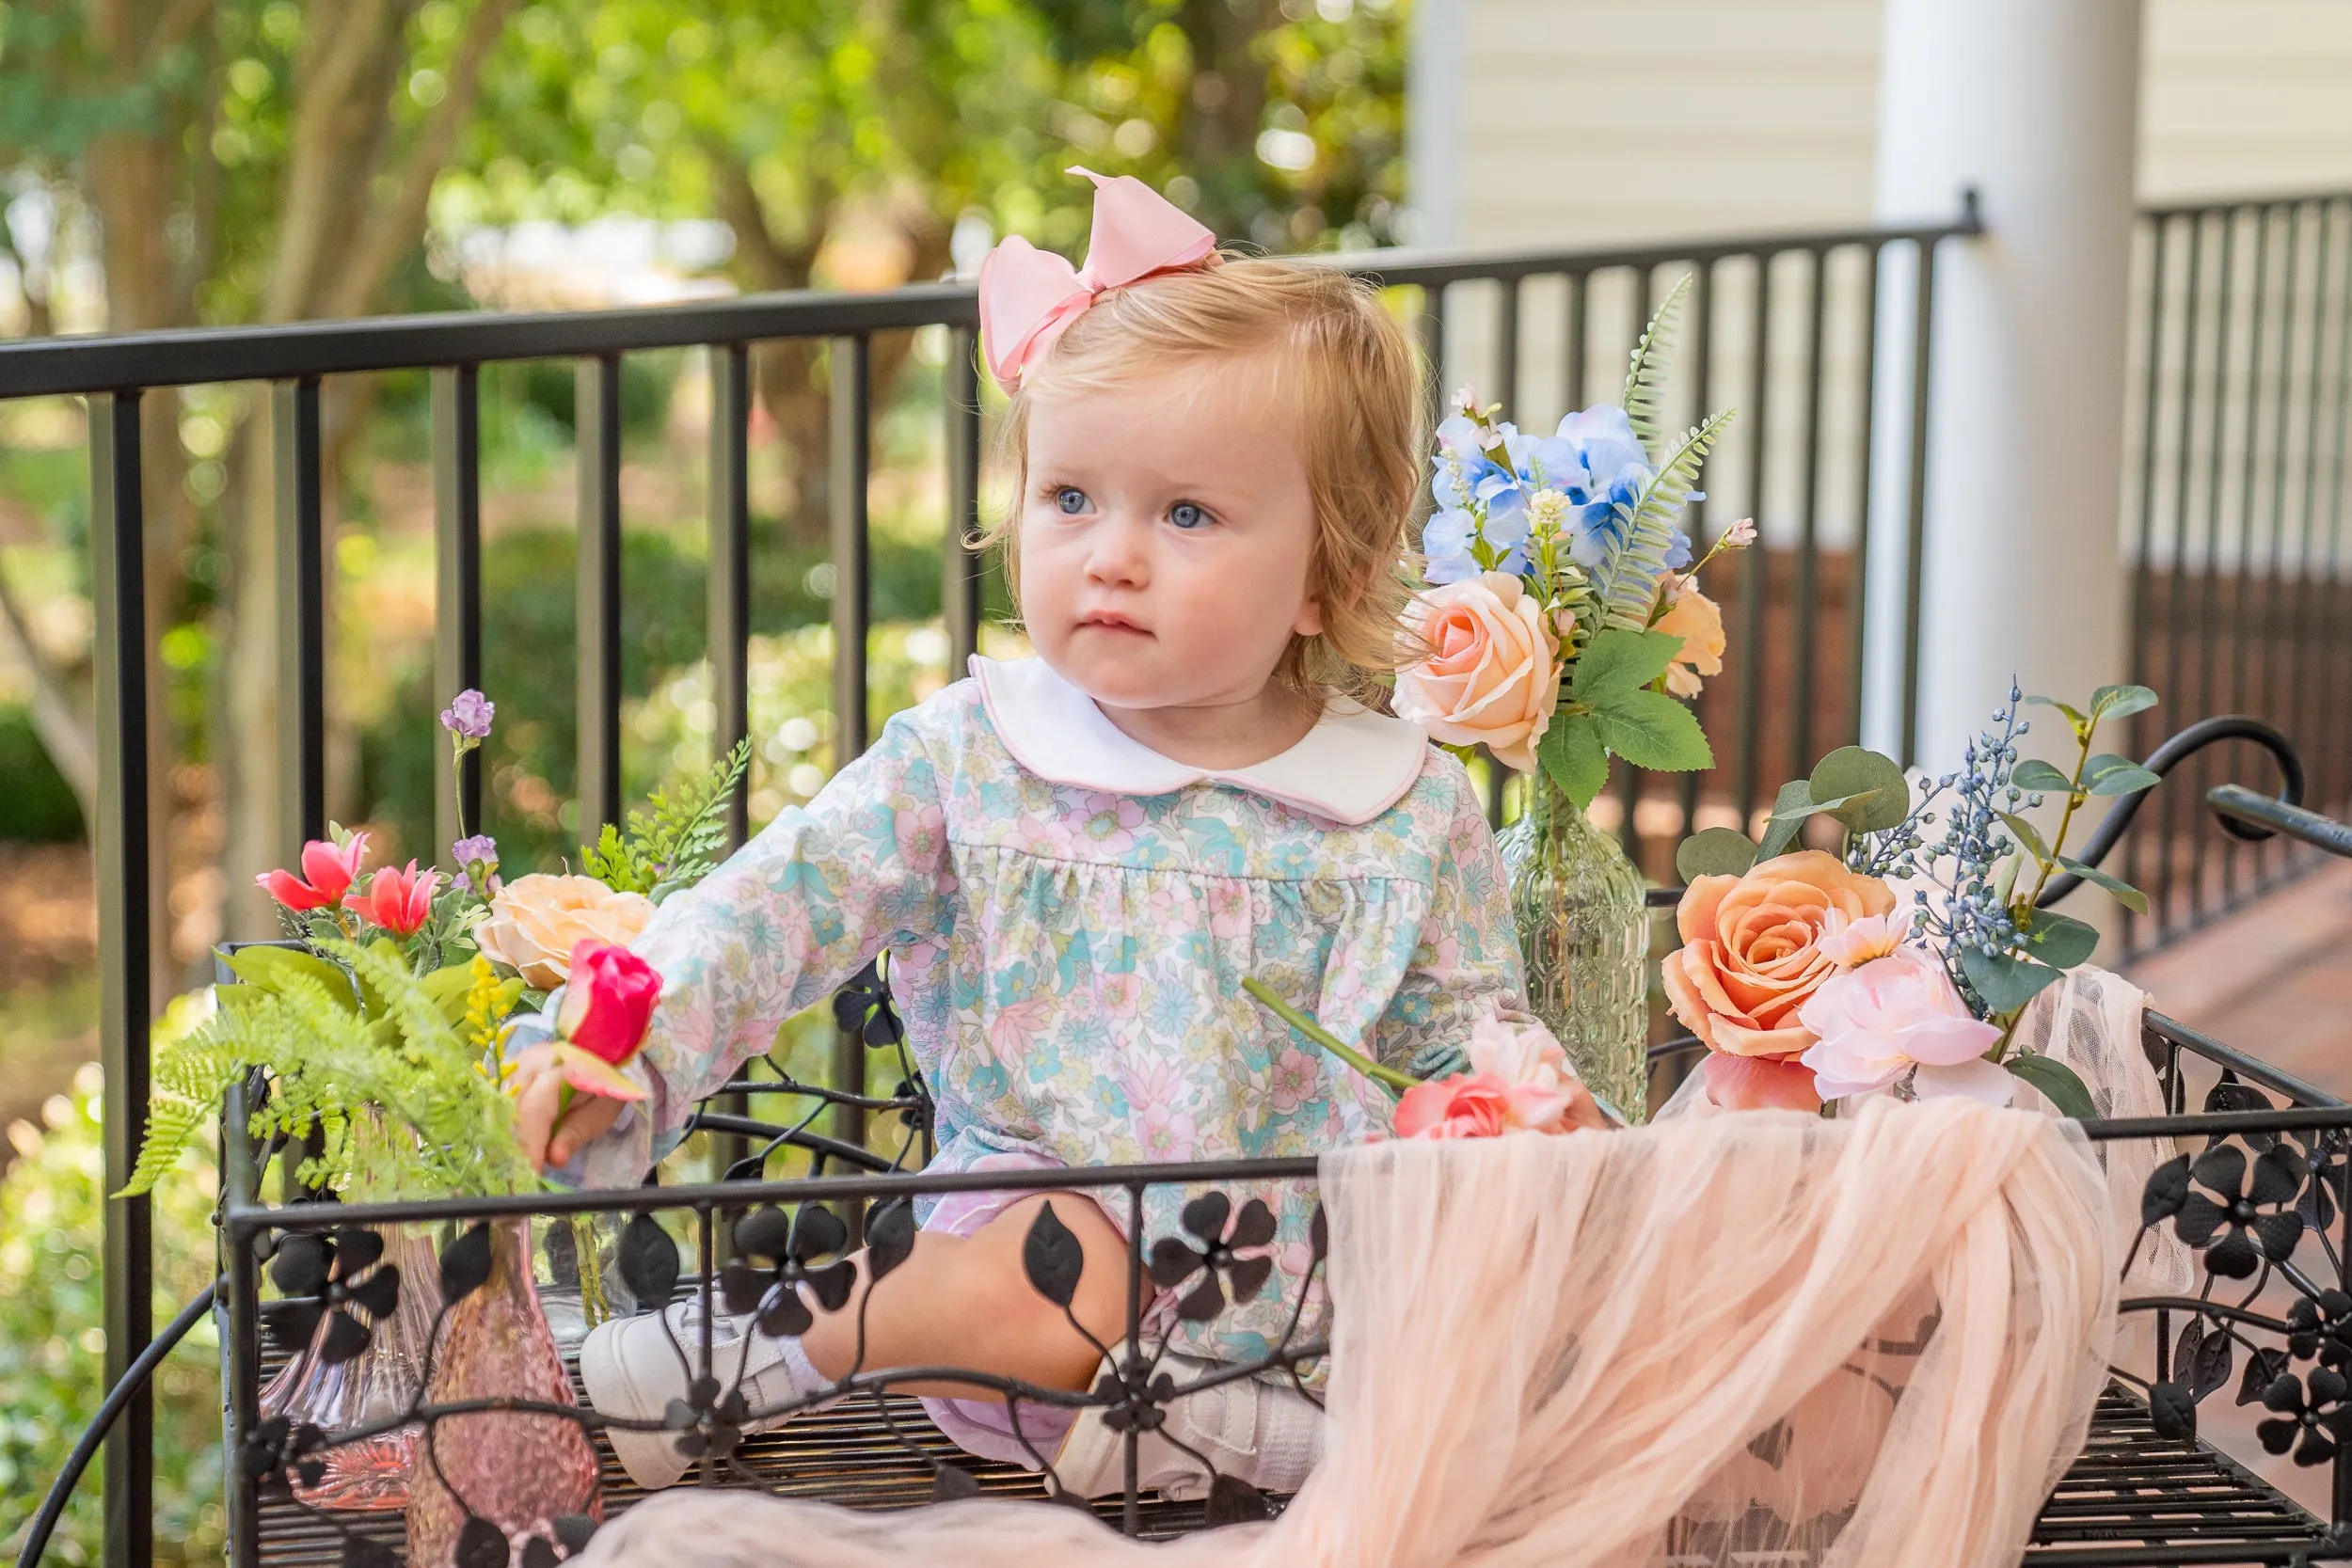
(1098, 1300)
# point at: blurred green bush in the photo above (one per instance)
(36, 805)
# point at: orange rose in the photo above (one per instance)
(1699, 622)
(1490, 678)
(1751, 951)
(537, 921)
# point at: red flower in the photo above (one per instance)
(1467, 1105)
(330, 871)
(608, 1001)
(399, 901)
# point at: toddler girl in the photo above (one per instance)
(1075, 859)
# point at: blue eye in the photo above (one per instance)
(1186, 515)
(1071, 500)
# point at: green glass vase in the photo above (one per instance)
(1584, 932)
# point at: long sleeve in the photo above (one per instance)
(784, 922)
(1467, 966)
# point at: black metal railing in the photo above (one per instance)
(2235, 479)
(117, 374)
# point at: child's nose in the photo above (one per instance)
(1120, 554)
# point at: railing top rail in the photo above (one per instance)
(2195, 206)
(300, 350)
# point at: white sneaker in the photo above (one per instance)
(633, 1370)
(1267, 1434)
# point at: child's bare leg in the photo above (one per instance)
(965, 1301)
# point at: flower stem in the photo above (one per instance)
(1388, 1078)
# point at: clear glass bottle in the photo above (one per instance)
(1584, 932)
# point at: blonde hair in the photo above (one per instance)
(1349, 373)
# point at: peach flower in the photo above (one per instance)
(1751, 953)
(1761, 1083)
(1699, 622)
(1490, 678)
(537, 921)
(1467, 1105)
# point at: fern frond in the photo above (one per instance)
(1627, 584)
(1645, 375)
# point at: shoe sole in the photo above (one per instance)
(651, 1458)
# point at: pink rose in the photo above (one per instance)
(1490, 678)
(1534, 1069)
(1468, 1105)
(609, 1001)
(1896, 1014)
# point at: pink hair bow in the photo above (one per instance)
(1028, 297)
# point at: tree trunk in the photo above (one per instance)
(1226, 109)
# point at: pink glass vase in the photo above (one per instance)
(521, 1470)
(378, 1383)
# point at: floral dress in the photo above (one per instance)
(1069, 916)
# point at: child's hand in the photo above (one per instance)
(538, 1085)
(1583, 1113)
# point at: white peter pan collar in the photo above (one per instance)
(1354, 764)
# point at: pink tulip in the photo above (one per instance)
(608, 1001)
(399, 901)
(331, 870)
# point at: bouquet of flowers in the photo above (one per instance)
(1565, 619)
(1807, 979)
(382, 1020)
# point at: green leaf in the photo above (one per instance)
(1790, 810)
(2075, 716)
(2041, 777)
(270, 968)
(1714, 853)
(2125, 895)
(2006, 984)
(2121, 701)
(2057, 1082)
(1650, 729)
(1617, 660)
(2109, 775)
(2026, 834)
(2060, 941)
(1645, 375)
(1575, 759)
(1869, 792)
(1625, 584)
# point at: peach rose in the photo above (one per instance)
(1699, 622)
(1490, 678)
(1751, 954)
(537, 921)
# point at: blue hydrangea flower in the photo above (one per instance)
(1446, 541)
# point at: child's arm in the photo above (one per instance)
(786, 921)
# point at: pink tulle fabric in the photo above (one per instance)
(1874, 1340)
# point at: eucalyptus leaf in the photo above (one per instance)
(2109, 775)
(1790, 810)
(1714, 853)
(2121, 701)
(2006, 984)
(1869, 789)
(1652, 730)
(1617, 660)
(2060, 941)
(2076, 716)
(1574, 758)
(2125, 895)
(2057, 1082)
(2026, 834)
(2041, 777)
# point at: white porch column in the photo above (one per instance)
(2034, 102)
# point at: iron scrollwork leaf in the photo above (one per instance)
(2167, 1190)
(362, 1551)
(648, 1260)
(2172, 1412)
(538, 1552)
(1233, 1501)
(952, 1484)
(889, 1236)
(575, 1530)
(481, 1544)
(2202, 1359)
(2264, 1367)
(1052, 1257)
(466, 1264)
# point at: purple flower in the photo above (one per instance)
(481, 846)
(469, 716)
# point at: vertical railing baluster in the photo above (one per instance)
(1809, 540)
(848, 473)
(2299, 652)
(728, 637)
(1755, 565)
(1431, 324)
(2207, 634)
(2248, 633)
(2171, 808)
(301, 618)
(963, 567)
(125, 913)
(599, 633)
(1572, 327)
(2138, 577)
(1702, 355)
(457, 586)
(1915, 543)
(2334, 641)
(1507, 345)
(1858, 567)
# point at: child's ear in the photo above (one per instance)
(1310, 619)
